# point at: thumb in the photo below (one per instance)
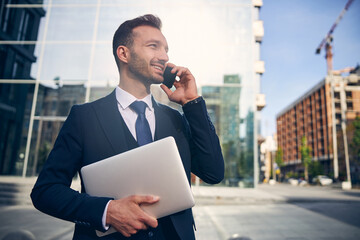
(166, 90)
(146, 199)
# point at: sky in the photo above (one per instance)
(293, 31)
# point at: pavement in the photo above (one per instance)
(221, 212)
(278, 211)
(268, 194)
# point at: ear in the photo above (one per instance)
(123, 53)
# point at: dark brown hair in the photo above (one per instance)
(124, 35)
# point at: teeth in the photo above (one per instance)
(157, 67)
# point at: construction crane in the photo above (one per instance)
(326, 42)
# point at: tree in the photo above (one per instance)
(305, 157)
(355, 142)
(279, 157)
(279, 160)
(315, 169)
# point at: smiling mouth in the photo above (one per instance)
(158, 67)
(160, 70)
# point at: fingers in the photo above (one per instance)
(185, 88)
(149, 221)
(132, 229)
(180, 71)
(135, 227)
(126, 216)
(169, 64)
(183, 71)
(166, 89)
(145, 218)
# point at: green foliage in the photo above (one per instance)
(305, 156)
(355, 143)
(279, 157)
(305, 152)
(315, 169)
(291, 174)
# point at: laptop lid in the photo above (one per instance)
(152, 169)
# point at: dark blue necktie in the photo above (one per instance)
(143, 133)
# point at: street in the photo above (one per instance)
(290, 213)
(277, 221)
(268, 212)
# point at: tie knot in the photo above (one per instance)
(139, 107)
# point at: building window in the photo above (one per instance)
(348, 95)
(7, 16)
(338, 118)
(337, 105)
(3, 54)
(349, 106)
(25, 28)
(18, 70)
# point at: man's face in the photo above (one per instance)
(148, 54)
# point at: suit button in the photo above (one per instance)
(150, 234)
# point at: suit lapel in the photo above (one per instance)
(164, 126)
(114, 126)
(111, 122)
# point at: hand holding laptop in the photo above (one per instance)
(126, 216)
(154, 169)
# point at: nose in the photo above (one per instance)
(163, 56)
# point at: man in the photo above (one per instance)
(109, 126)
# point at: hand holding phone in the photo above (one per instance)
(186, 89)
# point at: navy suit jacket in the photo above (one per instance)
(92, 132)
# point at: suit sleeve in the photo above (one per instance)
(206, 157)
(52, 193)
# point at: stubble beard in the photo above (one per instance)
(140, 69)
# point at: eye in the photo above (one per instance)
(152, 45)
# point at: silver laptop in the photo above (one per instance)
(152, 169)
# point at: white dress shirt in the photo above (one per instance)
(124, 100)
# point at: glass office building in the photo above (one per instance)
(57, 53)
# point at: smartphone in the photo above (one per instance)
(169, 78)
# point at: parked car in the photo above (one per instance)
(293, 181)
(322, 180)
(302, 182)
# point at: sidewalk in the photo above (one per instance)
(268, 194)
(26, 217)
(216, 195)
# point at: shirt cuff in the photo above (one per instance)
(106, 227)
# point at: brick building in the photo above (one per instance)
(311, 116)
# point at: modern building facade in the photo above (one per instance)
(223, 104)
(317, 115)
(236, 133)
(70, 61)
(18, 27)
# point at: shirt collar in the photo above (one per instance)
(125, 99)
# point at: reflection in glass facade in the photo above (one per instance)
(225, 105)
(57, 53)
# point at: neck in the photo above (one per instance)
(134, 86)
